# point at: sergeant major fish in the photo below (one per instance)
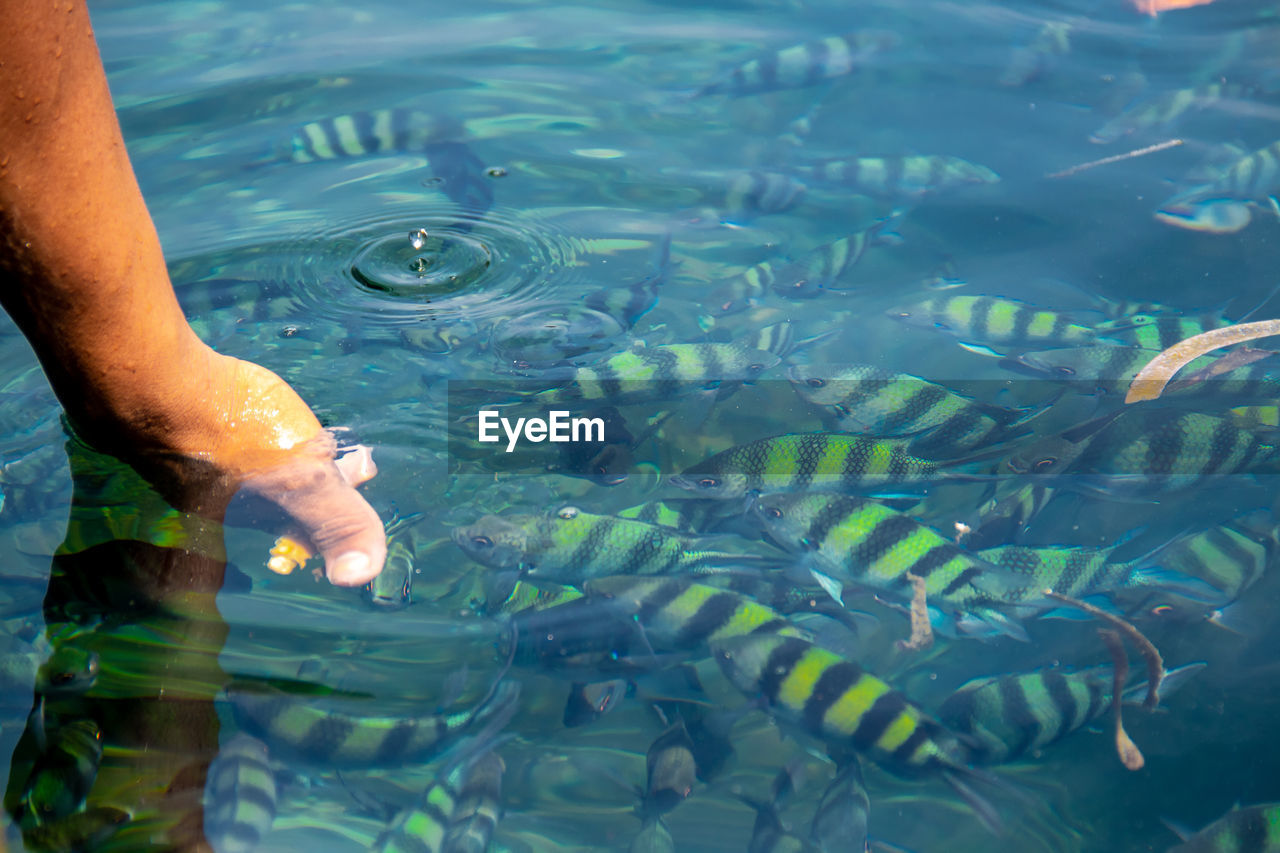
(837, 701)
(298, 730)
(996, 320)
(1161, 111)
(903, 178)
(803, 278)
(239, 796)
(803, 64)
(853, 541)
(569, 546)
(868, 399)
(1009, 716)
(1226, 204)
(803, 461)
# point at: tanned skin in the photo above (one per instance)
(83, 276)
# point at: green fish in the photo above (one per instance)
(569, 546)
(1251, 181)
(298, 730)
(86, 830)
(478, 807)
(849, 541)
(996, 320)
(1006, 717)
(806, 461)
(1255, 829)
(678, 614)
(863, 398)
(650, 374)
(837, 701)
(1143, 450)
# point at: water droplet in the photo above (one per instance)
(496, 172)
(418, 238)
(420, 265)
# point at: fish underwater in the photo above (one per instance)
(902, 179)
(1225, 204)
(805, 461)
(803, 65)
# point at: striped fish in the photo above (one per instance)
(803, 65)
(526, 596)
(688, 515)
(995, 320)
(754, 192)
(678, 614)
(1224, 204)
(1161, 111)
(569, 546)
(297, 730)
(868, 399)
(837, 701)
(904, 178)
(368, 134)
(478, 808)
(1244, 829)
(458, 810)
(840, 820)
(803, 461)
(1228, 557)
(650, 374)
(375, 133)
(1075, 571)
(628, 304)
(1145, 450)
(1009, 716)
(1006, 515)
(239, 796)
(392, 589)
(803, 278)
(853, 541)
(1111, 368)
(1160, 333)
(1035, 58)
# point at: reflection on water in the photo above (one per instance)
(688, 634)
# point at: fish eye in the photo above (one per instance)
(482, 541)
(1045, 464)
(708, 483)
(800, 283)
(755, 367)
(772, 512)
(60, 678)
(568, 512)
(815, 382)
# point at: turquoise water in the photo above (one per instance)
(573, 145)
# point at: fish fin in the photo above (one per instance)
(830, 585)
(1174, 679)
(988, 623)
(981, 349)
(981, 806)
(1177, 829)
(1185, 585)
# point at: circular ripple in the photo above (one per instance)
(385, 271)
